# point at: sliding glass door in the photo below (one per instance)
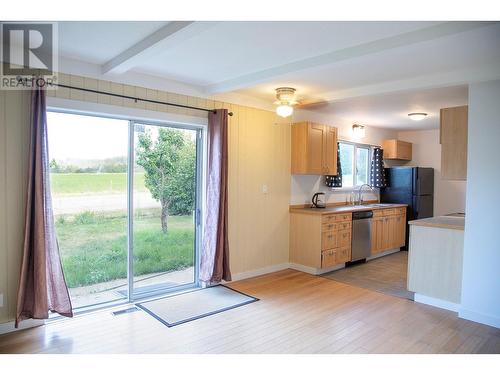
(165, 192)
(125, 196)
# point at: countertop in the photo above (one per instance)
(344, 209)
(447, 222)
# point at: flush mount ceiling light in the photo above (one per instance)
(417, 116)
(286, 100)
(358, 131)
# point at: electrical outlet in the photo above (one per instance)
(264, 189)
(1, 299)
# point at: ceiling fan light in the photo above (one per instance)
(284, 110)
(417, 116)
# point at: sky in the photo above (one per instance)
(78, 137)
(86, 137)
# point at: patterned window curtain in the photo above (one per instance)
(377, 176)
(335, 181)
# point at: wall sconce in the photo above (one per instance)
(358, 131)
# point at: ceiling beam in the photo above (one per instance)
(401, 40)
(484, 72)
(169, 35)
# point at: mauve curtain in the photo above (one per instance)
(214, 265)
(42, 287)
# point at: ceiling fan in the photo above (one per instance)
(286, 102)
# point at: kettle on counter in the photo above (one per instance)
(318, 200)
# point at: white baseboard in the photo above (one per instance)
(384, 253)
(260, 271)
(30, 323)
(436, 302)
(490, 320)
(315, 271)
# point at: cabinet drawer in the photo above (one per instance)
(329, 240)
(344, 238)
(336, 218)
(400, 210)
(343, 255)
(343, 225)
(384, 212)
(346, 225)
(328, 258)
(328, 227)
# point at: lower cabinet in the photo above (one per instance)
(324, 240)
(336, 239)
(333, 257)
(388, 229)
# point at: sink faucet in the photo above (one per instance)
(360, 196)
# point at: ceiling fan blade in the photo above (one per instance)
(313, 105)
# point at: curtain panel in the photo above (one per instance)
(377, 169)
(335, 181)
(42, 287)
(214, 265)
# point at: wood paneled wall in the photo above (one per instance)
(259, 154)
(14, 143)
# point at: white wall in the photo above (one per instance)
(481, 269)
(303, 187)
(449, 196)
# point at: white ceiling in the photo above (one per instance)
(98, 42)
(351, 65)
(391, 110)
(231, 49)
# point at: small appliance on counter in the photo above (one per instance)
(318, 200)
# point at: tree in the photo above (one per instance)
(169, 170)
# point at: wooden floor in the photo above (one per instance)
(297, 313)
(387, 274)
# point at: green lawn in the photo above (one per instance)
(88, 183)
(93, 246)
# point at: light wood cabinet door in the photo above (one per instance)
(330, 157)
(314, 149)
(453, 139)
(388, 232)
(377, 234)
(400, 228)
(396, 149)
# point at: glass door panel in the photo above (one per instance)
(164, 202)
(88, 172)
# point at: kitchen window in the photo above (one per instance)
(355, 161)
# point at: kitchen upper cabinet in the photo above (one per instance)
(453, 139)
(396, 149)
(314, 149)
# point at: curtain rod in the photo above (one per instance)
(135, 98)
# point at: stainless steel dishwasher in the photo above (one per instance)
(361, 235)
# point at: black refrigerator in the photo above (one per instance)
(413, 186)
